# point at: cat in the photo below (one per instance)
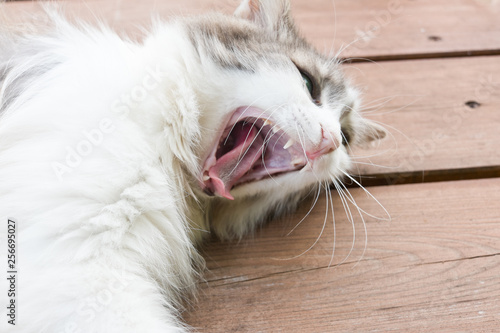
(117, 158)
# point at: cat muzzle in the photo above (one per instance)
(251, 148)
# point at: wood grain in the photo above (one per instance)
(442, 114)
(433, 267)
(376, 29)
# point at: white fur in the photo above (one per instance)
(113, 222)
(101, 146)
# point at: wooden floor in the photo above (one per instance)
(434, 266)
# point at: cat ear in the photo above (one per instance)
(248, 9)
(270, 14)
(369, 131)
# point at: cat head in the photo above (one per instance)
(276, 116)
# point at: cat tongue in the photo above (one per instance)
(234, 164)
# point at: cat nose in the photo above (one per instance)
(327, 144)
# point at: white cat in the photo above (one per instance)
(117, 158)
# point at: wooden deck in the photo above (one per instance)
(435, 265)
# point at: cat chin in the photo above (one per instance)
(284, 183)
(256, 202)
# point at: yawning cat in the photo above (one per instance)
(117, 158)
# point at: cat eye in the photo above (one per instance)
(308, 83)
(346, 137)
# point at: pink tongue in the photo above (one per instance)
(234, 164)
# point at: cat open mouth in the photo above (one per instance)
(251, 147)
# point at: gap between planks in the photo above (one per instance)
(420, 56)
(424, 176)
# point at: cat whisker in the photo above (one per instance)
(266, 145)
(308, 166)
(380, 153)
(358, 69)
(335, 25)
(373, 113)
(276, 142)
(349, 149)
(373, 102)
(399, 131)
(307, 214)
(382, 101)
(370, 195)
(365, 230)
(346, 106)
(302, 144)
(392, 150)
(350, 218)
(242, 154)
(317, 239)
(329, 191)
(350, 198)
(348, 60)
(374, 108)
(242, 115)
(342, 48)
(374, 164)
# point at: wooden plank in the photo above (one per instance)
(376, 29)
(435, 124)
(418, 29)
(442, 114)
(433, 267)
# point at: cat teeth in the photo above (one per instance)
(275, 129)
(297, 161)
(288, 144)
(267, 122)
(307, 167)
(206, 177)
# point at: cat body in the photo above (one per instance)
(115, 165)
